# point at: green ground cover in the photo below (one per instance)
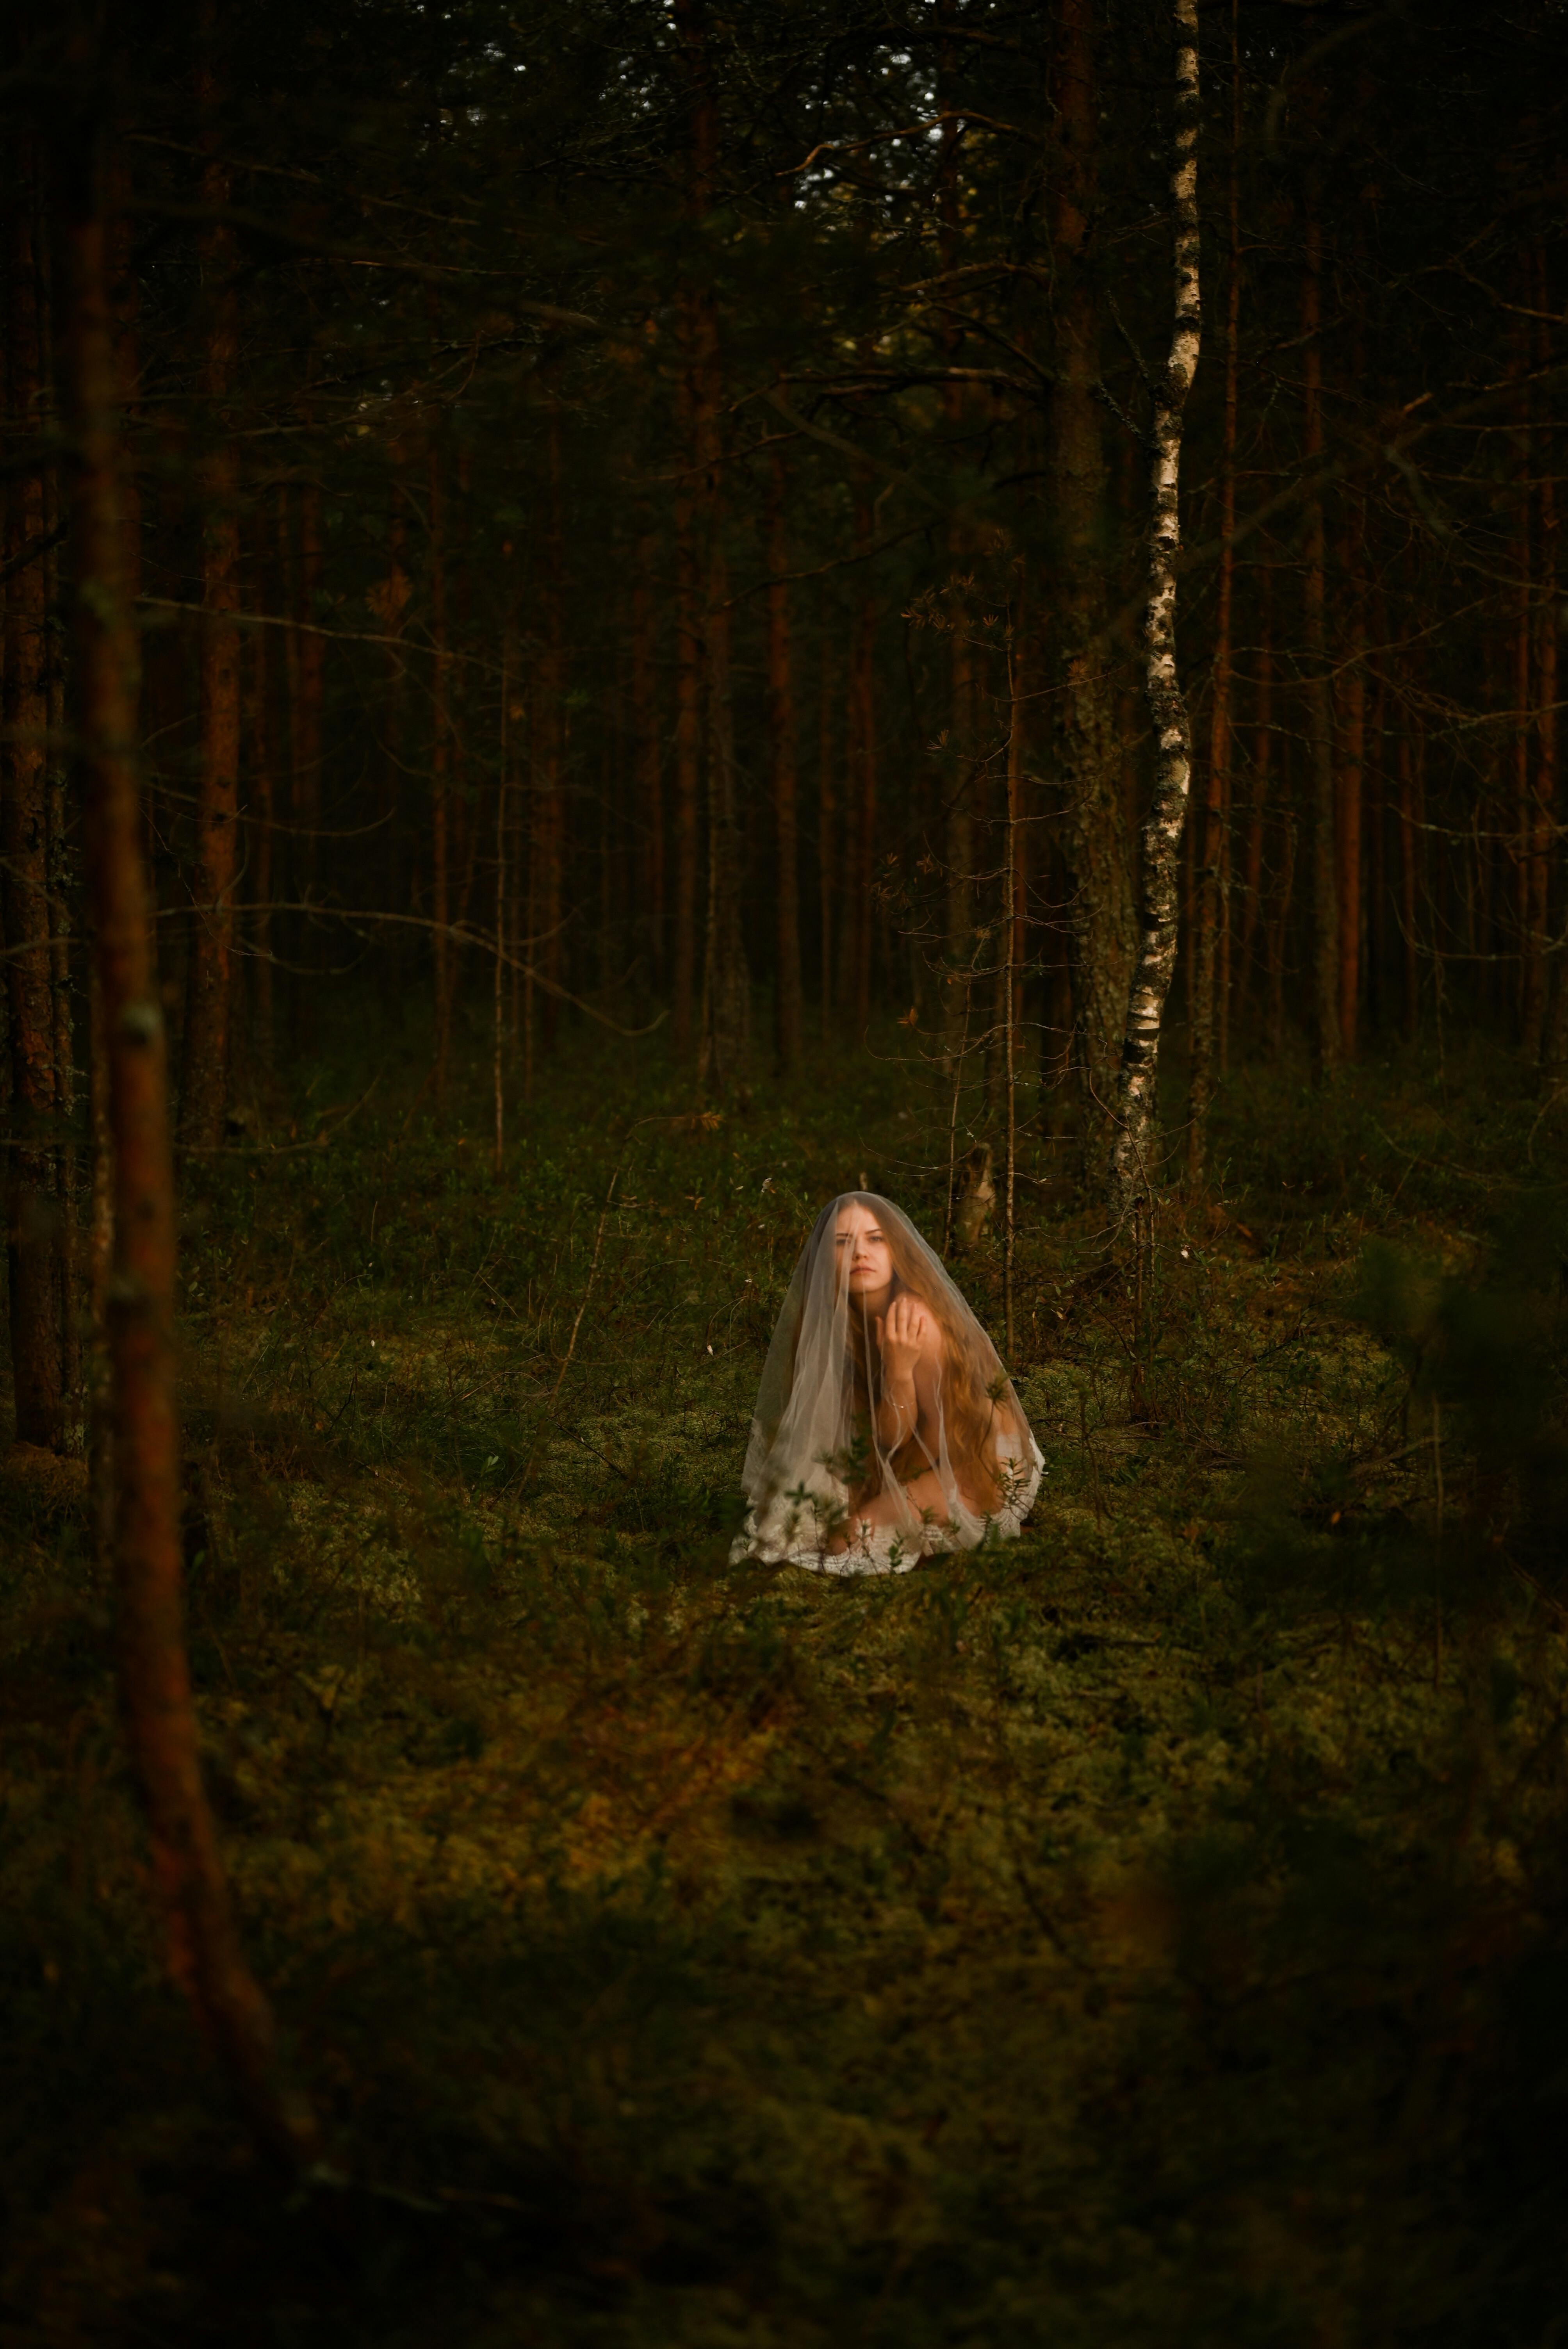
(1152, 1932)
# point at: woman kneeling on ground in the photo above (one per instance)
(886, 1428)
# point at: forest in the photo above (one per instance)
(622, 618)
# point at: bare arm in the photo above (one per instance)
(911, 1345)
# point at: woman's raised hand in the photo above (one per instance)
(903, 1333)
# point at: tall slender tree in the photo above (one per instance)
(204, 1089)
(1134, 1170)
(1088, 757)
(30, 1201)
(205, 1955)
(782, 777)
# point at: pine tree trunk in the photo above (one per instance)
(32, 1206)
(305, 796)
(1134, 1169)
(261, 811)
(959, 847)
(1088, 756)
(1326, 1029)
(782, 749)
(1410, 879)
(1011, 964)
(1524, 614)
(1279, 925)
(205, 1955)
(827, 829)
(727, 982)
(124, 296)
(648, 761)
(551, 738)
(861, 813)
(440, 769)
(1262, 765)
(1348, 811)
(1217, 797)
(958, 843)
(64, 922)
(1544, 798)
(688, 725)
(210, 974)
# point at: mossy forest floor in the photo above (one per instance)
(1153, 1932)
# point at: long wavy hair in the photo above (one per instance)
(971, 1414)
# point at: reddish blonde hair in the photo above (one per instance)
(970, 1414)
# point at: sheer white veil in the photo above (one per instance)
(815, 1450)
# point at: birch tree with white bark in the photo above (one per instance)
(1136, 1136)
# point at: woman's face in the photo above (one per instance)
(863, 1256)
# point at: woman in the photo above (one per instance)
(886, 1428)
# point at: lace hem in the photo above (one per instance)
(881, 1549)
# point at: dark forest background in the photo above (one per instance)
(651, 455)
(621, 533)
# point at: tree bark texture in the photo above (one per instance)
(726, 981)
(1210, 904)
(32, 1207)
(860, 815)
(1132, 1169)
(827, 835)
(1543, 795)
(550, 727)
(1088, 756)
(1325, 998)
(209, 979)
(205, 1955)
(647, 756)
(1348, 803)
(781, 739)
(688, 720)
(261, 814)
(310, 650)
(440, 766)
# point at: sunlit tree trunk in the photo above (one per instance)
(205, 1955)
(1133, 1169)
(32, 1206)
(211, 969)
(782, 754)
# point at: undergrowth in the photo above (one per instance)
(1152, 1932)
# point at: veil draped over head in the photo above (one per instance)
(817, 1458)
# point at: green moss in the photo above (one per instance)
(1152, 1931)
